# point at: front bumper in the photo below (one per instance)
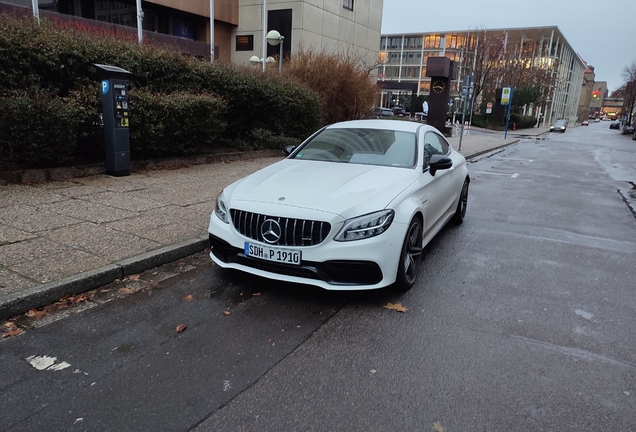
(355, 265)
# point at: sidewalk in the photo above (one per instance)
(68, 237)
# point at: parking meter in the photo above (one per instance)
(116, 114)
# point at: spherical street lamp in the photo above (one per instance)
(275, 38)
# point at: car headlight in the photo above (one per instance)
(220, 210)
(366, 226)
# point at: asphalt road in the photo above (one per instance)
(522, 320)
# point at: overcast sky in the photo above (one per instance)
(602, 32)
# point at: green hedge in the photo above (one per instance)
(175, 124)
(39, 129)
(522, 122)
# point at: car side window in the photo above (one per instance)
(434, 144)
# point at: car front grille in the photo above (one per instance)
(293, 232)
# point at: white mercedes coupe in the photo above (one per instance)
(349, 208)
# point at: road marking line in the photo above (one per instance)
(515, 175)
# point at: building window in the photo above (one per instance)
(455, 56)
(245, 43)
(410, 72)
(394, 58)
(413, 57)
(413, 42)
(392, 72)
(395, 42)
(116, 12)
(280, 20)
(433, 41)
(347, 4)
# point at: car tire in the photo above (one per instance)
(410, 257)
(460, 211)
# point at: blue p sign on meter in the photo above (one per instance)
(105, 84)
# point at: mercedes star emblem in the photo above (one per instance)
(270, 231)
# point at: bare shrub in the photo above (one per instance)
(341, 80)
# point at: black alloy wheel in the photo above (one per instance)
(460, 212)
(411, 256)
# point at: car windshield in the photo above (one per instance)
(559, 122)
(362, 146)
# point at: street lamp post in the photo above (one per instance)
(275, 38)
(36, 10)
(140, 19)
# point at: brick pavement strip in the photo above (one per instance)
(65, 237)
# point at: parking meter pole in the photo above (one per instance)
(467, 95)
(461, 129)
(509, 103)
(507, 121)
(116, 117)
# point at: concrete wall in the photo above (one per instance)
(318, 25)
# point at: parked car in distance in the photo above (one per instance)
(615, 125)
(378, 112)
(351, 208)
(628, 130)
(399, 111)
(597, 120)
(585, 123)
(559, 126)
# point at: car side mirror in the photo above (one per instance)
(439, 162)
(288, 150)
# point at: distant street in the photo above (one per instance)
(523, 320)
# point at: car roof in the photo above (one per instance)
(397, 125)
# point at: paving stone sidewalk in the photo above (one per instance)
(67, 237)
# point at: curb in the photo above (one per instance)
(45, 294)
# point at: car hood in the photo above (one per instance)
(339, 188)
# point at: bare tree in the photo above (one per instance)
(499, 63)
(628, 91)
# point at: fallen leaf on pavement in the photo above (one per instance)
(226, 313)
(188, 297)
(76, 299)
(36, 313)
(181, 327)
(256, 294)
(396, 307)
(12, 333)
(133, 277)
(10, 329)
(126, 290)
(437, 427)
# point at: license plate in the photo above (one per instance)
(287, 256)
